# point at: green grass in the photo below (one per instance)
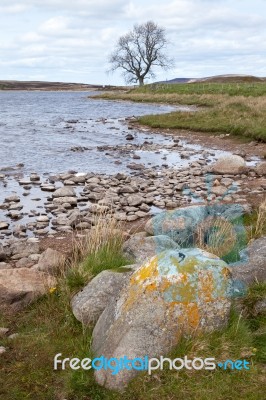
(105, 258)
(232, 108)
(231, 89)
(48, 327)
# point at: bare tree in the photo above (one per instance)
(137, 52)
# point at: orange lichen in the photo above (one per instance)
(192, 312)
(147, 271)
(206, 283)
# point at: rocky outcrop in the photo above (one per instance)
(178, 292)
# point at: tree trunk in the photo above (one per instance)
(141, 81)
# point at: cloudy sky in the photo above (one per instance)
(69, 40)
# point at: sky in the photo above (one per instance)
(70, 40)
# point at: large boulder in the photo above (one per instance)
(50, 261)
(91, 301)
(178, 292)
(231, 164)
(141, 248)
(19, 287)
(252, 266)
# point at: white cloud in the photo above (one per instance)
(70, 40)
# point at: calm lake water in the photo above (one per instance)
(39, 129)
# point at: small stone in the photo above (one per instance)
(34, 178)
(3, 331)
(4, 225)
(42, 218)
(13, 336)
(12, 199)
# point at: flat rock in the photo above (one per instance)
(20, 287)
(4, 225)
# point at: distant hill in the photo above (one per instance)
(176, 80)
(230, 78)
(38, 85)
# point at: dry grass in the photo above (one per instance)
(261, 220)
(96, 251)
(216, 235)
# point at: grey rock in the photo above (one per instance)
(260, 169)
(42, 218)
(252, 267)
(24, 263)
(4, 265)
(19, 287)
(231, 164)
(13, 198)
(62, 200)
(51, 260)
(90, 302)
(141, 248)
(64, 191)
(135, 200)
(24, 249)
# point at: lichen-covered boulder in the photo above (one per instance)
(141, 248)
(178, 292)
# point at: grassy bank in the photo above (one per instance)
(48, 327)
(237, 109)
